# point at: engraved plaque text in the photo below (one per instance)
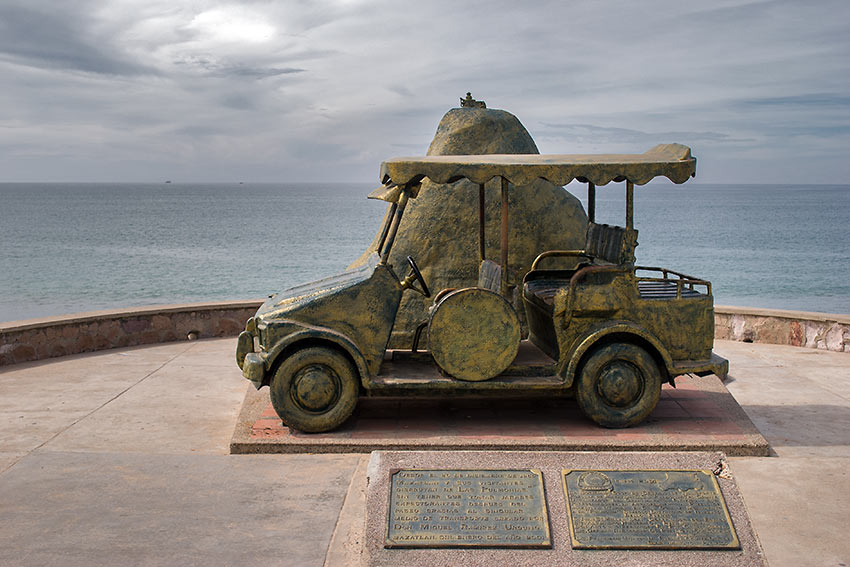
(462, 508)
(657, 509)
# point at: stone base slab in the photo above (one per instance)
(699, 415)
(374, 554)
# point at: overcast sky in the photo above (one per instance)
(324, 90)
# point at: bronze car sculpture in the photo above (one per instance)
(601, 328)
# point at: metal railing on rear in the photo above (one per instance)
(670, 284)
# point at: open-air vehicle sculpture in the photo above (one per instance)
(600, 328)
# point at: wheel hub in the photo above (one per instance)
(620, 384)
(316, 388)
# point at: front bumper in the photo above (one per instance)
(252, 363)
(716, 365)
(253, 368)
(244, 345)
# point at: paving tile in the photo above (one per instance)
(799, 507)
(9, 459)
(25, 431)
(77, 509)
(179, 408)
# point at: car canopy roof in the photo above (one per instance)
(673, 161)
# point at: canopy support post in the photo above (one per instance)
(481, 221)
(387, 222)
(504, 236)
(630, 204)
(591, 202)
(402, 203)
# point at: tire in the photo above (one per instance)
(315, 389)
(619, 385)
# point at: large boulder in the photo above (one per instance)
(480, 131)
(440, 227)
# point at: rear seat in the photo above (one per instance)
(604, 245)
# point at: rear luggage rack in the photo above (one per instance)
(670, 285)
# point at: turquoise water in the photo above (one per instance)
(68, 248)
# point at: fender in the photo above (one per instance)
(310, 333)
(598, 332)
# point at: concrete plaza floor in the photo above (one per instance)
(121, 457)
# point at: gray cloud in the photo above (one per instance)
(599, 134)
(216, 68)
(807, 100)
(238, 102)
(401, 90)
(52, 39)
(119, 89)
(261, 73)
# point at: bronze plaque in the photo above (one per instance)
(467, 508)
(654, 509)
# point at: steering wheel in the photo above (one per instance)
(414, 271)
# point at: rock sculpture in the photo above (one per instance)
(440, 227)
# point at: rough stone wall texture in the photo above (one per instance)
(774, 326)
(59, 336)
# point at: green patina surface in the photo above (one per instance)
(440, 226)
(474, 334)
(673, 161)
(613, 332)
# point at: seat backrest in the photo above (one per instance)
(490, 275)
(613, 244)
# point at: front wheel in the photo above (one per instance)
(619, 385)
(315, 389)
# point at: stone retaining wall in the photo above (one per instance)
(35, 339)
(776, 326)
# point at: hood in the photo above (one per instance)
(296, 297)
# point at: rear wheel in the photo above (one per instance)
(315, 389)
(619, 385)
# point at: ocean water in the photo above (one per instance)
(67, 248)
